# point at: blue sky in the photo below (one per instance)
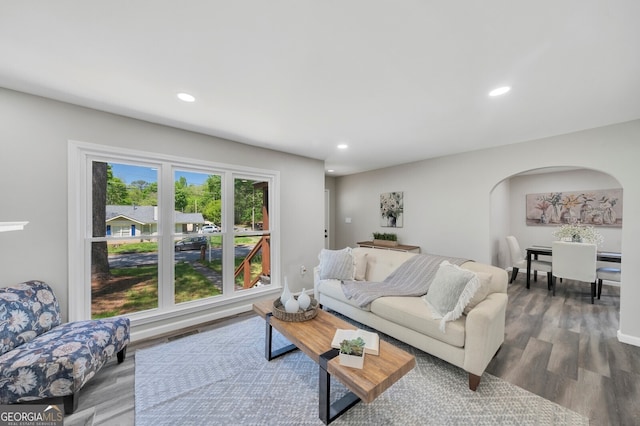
(128, 173)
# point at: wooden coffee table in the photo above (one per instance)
(314, 337)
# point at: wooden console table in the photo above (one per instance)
(399, 247)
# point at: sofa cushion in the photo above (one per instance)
(451, 290)
(337, 264)
(28, 310)
(481, 293)
(360, 266)
(499, 279)
(413, 313)
(381, 263)
(333, 289)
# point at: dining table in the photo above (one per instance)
(534, 251)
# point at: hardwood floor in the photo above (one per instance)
(561, 348)
(565, 349)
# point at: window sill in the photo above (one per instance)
(153, 323)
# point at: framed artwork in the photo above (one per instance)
(594, 208)
(391, 207)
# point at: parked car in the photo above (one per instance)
(191, 243)
(208, 229)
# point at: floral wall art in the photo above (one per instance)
(596, 208)
(391, 206)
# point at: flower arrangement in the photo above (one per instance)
(580, 233)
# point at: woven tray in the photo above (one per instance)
(281, 314)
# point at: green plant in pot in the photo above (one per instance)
(352, 352)
(385, 239)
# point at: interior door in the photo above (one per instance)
(327, 220)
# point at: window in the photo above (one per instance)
(124, 243)
(198, 268)
(155, 235)
(252, 237)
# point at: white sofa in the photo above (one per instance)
(470, 342)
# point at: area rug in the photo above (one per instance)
(221, 377)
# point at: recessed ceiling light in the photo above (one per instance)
(186, 97)
(330, 171)
(499, 91)
(343, 146)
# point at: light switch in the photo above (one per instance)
(347, 220)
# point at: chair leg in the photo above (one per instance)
(599, 288)
(121, 355)
(514, 274)
(535, 275)
(553, 286)
(593, 291)
(549, 279)
(70, 402)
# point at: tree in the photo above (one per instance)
(213, 212)
(211, 199)
(213, 185)
(248, 203)
(141, 185)
(117, 194)
(181, 198)
(99, 252)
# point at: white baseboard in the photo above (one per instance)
(631, 340)
(164, 328)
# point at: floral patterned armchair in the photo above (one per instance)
(41, 358)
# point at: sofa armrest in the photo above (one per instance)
(484, 332)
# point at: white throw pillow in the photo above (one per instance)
(337, 264)
(361, 266)
(482, 292)
(450, 291)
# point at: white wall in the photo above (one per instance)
(33, 183)
(500, 223)
(448, 200)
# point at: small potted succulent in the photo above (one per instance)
(352, 353)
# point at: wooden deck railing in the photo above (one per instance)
(245, 267)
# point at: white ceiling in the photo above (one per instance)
(398, 81)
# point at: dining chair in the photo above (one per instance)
(609, 274)
(518, 261)
(576, 261)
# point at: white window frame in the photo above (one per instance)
(80, 157)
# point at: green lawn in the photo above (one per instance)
(136, 289)
(143, 293)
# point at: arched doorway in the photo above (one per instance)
(508, 209)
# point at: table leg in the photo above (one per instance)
(270, 354)
(528, 269)
(329, 412)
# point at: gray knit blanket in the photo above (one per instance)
(412, 278)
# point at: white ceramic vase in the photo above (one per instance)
(304, 300)
(286, 293)
(292, 305)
